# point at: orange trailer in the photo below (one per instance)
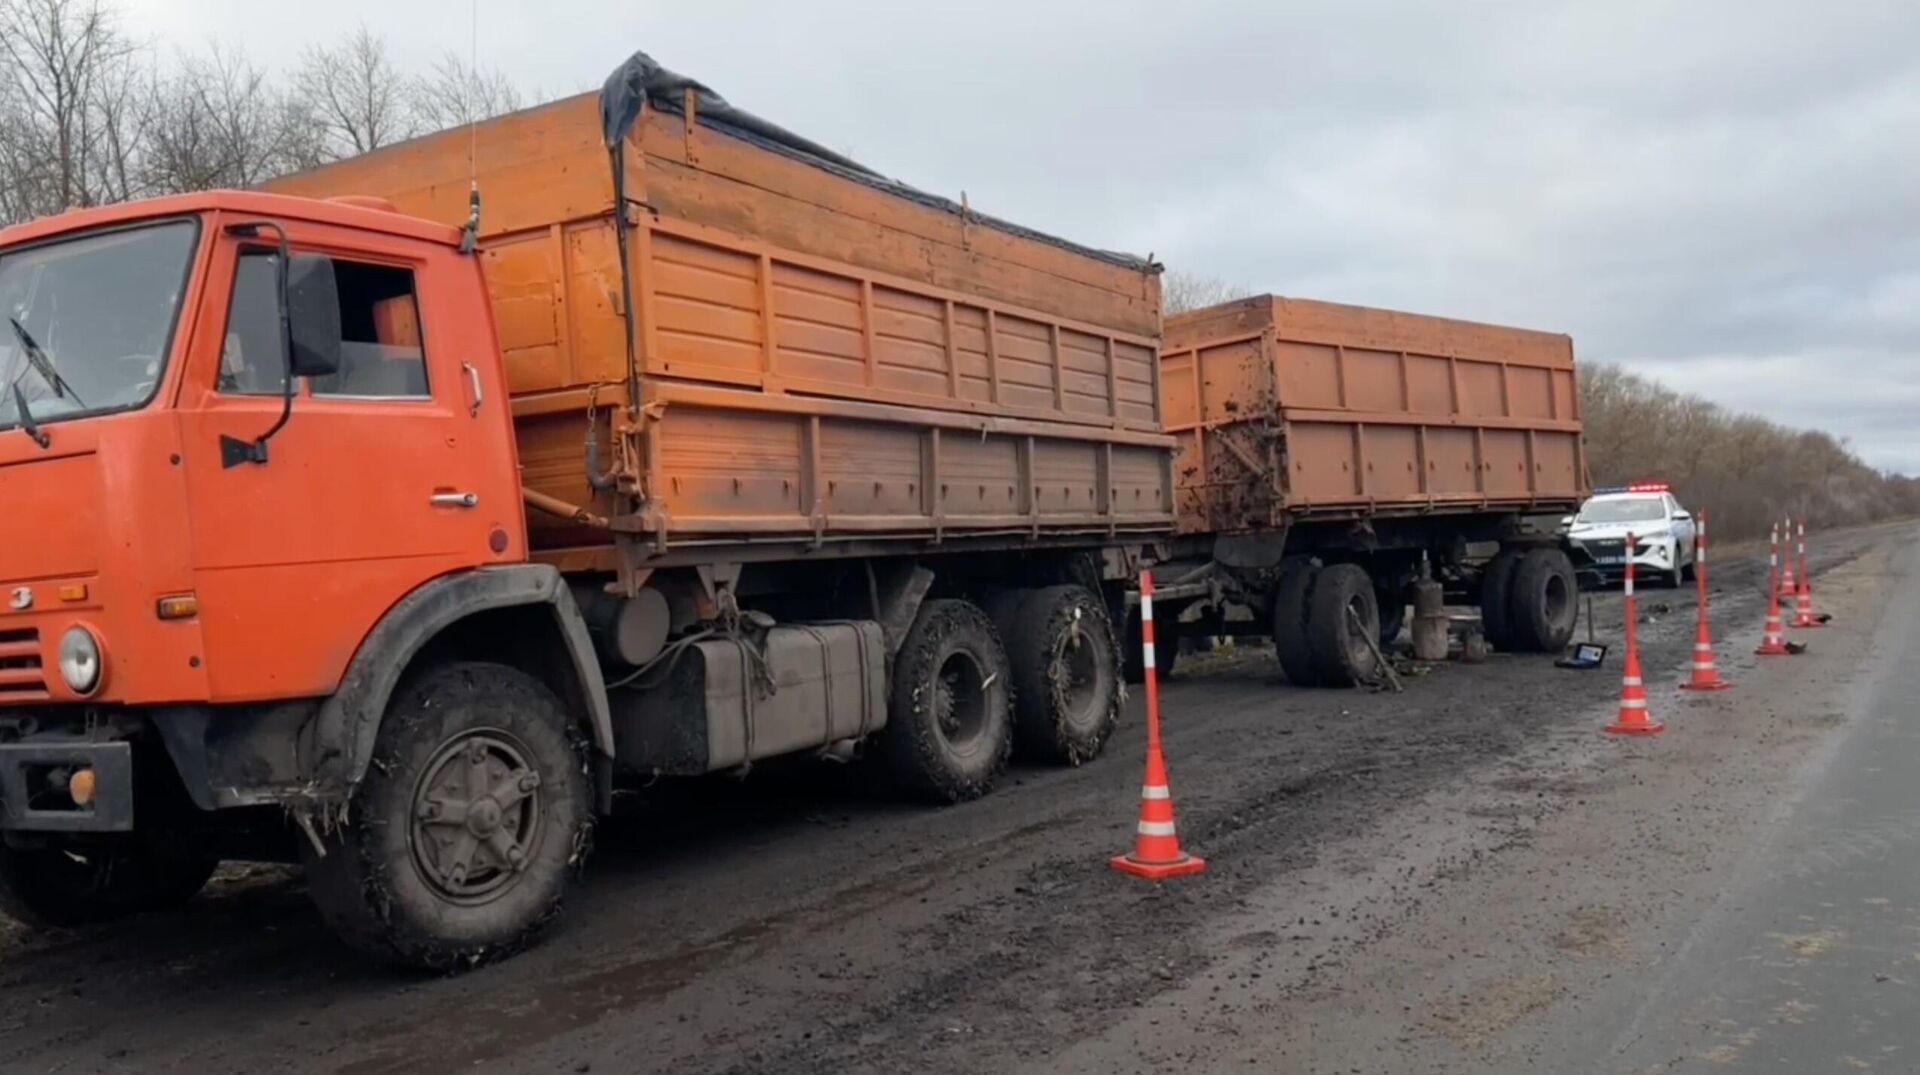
(1372, 445)
(354, 513)
(823, 358)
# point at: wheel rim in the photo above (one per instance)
(1079, 659)
(1558, 601)
(1359, 654)
(476, 817)
(960, 702)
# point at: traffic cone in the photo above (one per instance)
(1773, 558)
(1156, 853)
(1775, 643)
(1633, 719)
(1803, 598)
(1706, 674)
(1788, 587)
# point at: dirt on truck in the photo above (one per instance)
(420, 503)
(1339, 463)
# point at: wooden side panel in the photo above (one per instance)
(814, 467)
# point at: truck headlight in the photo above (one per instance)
(80, 661)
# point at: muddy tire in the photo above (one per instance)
(78, 882)
(1291, 597)
(1066, 675)
(460, 843)
(1340, 650)
(950, 720)
(1496, 588)
(1545, 601)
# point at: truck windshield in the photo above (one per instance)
(1631, 510)
(86, 322)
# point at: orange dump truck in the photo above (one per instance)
(1329, 455)
(404, 524)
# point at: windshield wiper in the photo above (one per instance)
(27, 423)
(42, 364)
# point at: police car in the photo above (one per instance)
(1665, 542)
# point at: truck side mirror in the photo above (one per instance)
(313, 316)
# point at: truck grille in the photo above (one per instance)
(22, 678)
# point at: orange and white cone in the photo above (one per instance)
(1787, 586)
(1773, 558)
(1633, 718)
(1775, 642)
(1156, 853)
(1803, 597)
(1706, 674)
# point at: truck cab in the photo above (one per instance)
(196, 538)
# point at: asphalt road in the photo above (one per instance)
(1465, 877)
(1810, 960)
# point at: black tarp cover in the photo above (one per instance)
(641, 80)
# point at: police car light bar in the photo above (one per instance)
(1636, 487)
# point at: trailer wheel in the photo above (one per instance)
(1340, 650)
(68, 882)
(1496, 587)
(1290, 605)
(950, 724)
(1066, 675)
(1546, 603)
(476, 812)
(1166, 645)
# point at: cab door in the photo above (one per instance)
(390, 472)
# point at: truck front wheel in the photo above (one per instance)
(1066, 675)
(950, 723)
(72, 881)
(459, 844)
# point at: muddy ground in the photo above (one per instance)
(1412, 882)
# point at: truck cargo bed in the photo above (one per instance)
(1289, 408)
(818, 356)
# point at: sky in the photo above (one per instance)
(1721, 194)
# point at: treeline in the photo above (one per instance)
(89, 115)
(1745, 470)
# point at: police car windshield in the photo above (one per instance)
(1637, 509)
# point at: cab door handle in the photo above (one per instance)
(455, 500)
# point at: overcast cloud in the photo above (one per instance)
(1722, 194)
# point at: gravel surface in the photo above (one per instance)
(1414, 882)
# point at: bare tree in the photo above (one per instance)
(357, 93)
(454, 94)
(70, 135)
(215, 120)
(1183, 291)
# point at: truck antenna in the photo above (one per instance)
(470, 235)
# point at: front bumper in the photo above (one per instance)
(1609, 556)
(33, 785)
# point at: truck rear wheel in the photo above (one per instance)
(950, 723)
(1343, 618)
(72, 882)
(1545, 601)
(1290, 604)
(1496, 588)
(1066, 675)
(459, 844)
